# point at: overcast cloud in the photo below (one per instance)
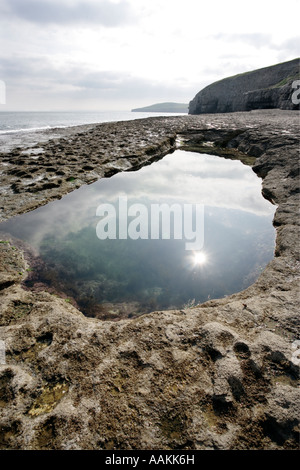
(122, 54)
(103, 12)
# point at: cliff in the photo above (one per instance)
(266, 88)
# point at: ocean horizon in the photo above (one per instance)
(28, 121)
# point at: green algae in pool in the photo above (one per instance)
(126, 277)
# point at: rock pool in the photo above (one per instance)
(187, 228)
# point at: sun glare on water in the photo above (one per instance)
(200, 258)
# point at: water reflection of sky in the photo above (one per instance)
(239, 237)
(193, 178)
(182, 177)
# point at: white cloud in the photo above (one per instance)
(163, 50)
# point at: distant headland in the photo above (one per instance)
(164, 108)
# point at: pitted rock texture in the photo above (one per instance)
(54, 163)
(266, 88)
(222, 375)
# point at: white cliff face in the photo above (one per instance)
(222, 375)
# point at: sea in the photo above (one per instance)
(12, 122)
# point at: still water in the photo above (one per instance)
(111, 248)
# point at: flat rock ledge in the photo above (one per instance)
(222, 375)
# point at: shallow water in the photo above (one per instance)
(217, 243)
(25, 129)
(18, 121)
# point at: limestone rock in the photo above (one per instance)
(266, 88)
(221, 375)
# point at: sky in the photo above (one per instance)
(115, 55)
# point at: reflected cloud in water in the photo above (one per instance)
(238, 234)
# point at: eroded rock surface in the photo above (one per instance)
(54, 163)
(222, 375)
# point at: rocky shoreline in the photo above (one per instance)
(222, 375)
(56, 162)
